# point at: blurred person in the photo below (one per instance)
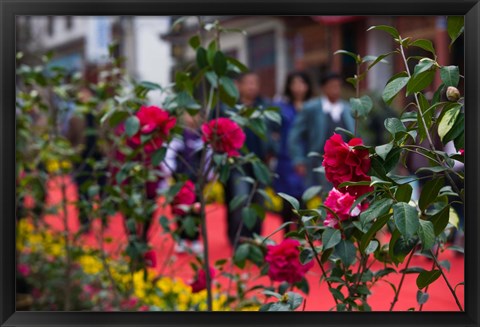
(314, 125)
(298, 89)
(248, 85)
(83, 132)
(184, 157)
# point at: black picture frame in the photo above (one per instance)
(10, 8)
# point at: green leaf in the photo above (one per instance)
(424, 44)
(237, 201)
(383, 150)
(406, 219)
(436, 169)
(290, 199)
(419, 82)
(249, 217)
(237, 64)
(361, 107)
(311, 192)
(404, 193)
(430, 192)
(457, 129)
(346, 251)
(220, 63)
(241, 255)
(422, 66)
(212, 50)
(202, 61)
(132, 125)
(188, 223)
(422, 297)
(330, 238)
(355, 57)
(229, 86)
(377, 209)
(371, 247)
(194, 42)
(158, 156)
(440, 220)
(425, 278)
(455, 27)
(394, 86)
(450, 75)
(394, 126)
(389, 29)
(426, 234)
(261, 172)
(377, 225)
(294, 300)
(337, 294)
(255, 255)
(306, 256)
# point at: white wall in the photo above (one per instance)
(153, 60)
(379, 42)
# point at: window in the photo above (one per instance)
(261, 60)
(69, 22)
(50, 25)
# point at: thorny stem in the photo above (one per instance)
(239, 231)
(320, 264)
(68, 258)
(433, 266)
(201, 183)
(446, 281)
(395, 299)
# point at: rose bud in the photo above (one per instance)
(196, 207)
(453, 94)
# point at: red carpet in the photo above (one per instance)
(319, 298)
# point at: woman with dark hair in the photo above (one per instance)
(298, 89)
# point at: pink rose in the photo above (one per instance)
(200, 282)
(340, 203)
(185, 197)
(344, 164)
(462, 152)
(24, 270)
(155, 121)
(284, 261)
(224, 135)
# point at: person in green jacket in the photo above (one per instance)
(316, 123)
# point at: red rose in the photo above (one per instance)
(224, 135)
(284, 261)
(150, 259)
(155, 121)
(462, 152)
(200, 282)
(344, 164)
(341, 203)
(185, 197)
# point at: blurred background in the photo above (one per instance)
(272, 46)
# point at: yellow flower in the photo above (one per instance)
(53, 166)
(66, 164)
(90, 264)
(214, 192)
(277, 202)
(314, 202)
(251, 308)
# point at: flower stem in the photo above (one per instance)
(397, 293)
(319, 263)
(446, 281)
